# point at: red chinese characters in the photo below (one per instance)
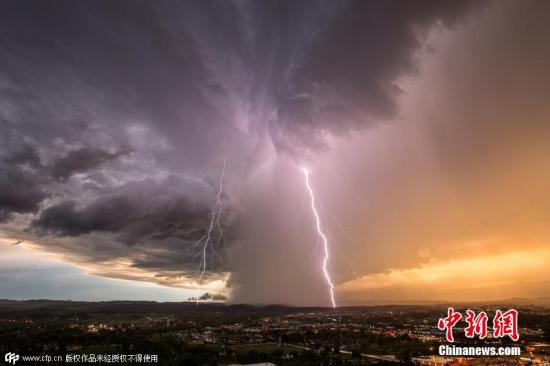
(448, 323)
(504, 324)
(476, 324)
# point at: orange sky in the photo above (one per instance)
(501, 276)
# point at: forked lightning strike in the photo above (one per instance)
(215, 217)
(321, 235)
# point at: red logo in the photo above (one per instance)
(504, 324)
(448, 323)
(476, 324)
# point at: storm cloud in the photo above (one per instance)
(20, 192)
(21, 186)
(115, 118)
(81, 160)
(137, 209)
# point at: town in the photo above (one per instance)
(219, 334)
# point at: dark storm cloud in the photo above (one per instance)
(306, 68)
(82, 160)
(156, 225)
(21, 187)
(134, 211)
(20, 192)
(65, 219)
(22, 155)
(341, 73)
(180, 84)
(215, 297)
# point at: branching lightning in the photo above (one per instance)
(322, 235)
(214, 233)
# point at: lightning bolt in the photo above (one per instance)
(322, 235)
(207, 240)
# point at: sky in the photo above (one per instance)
(154, 150)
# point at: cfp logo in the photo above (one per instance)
(11, 357)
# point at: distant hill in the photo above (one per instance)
(37, 309)
(42, 309)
